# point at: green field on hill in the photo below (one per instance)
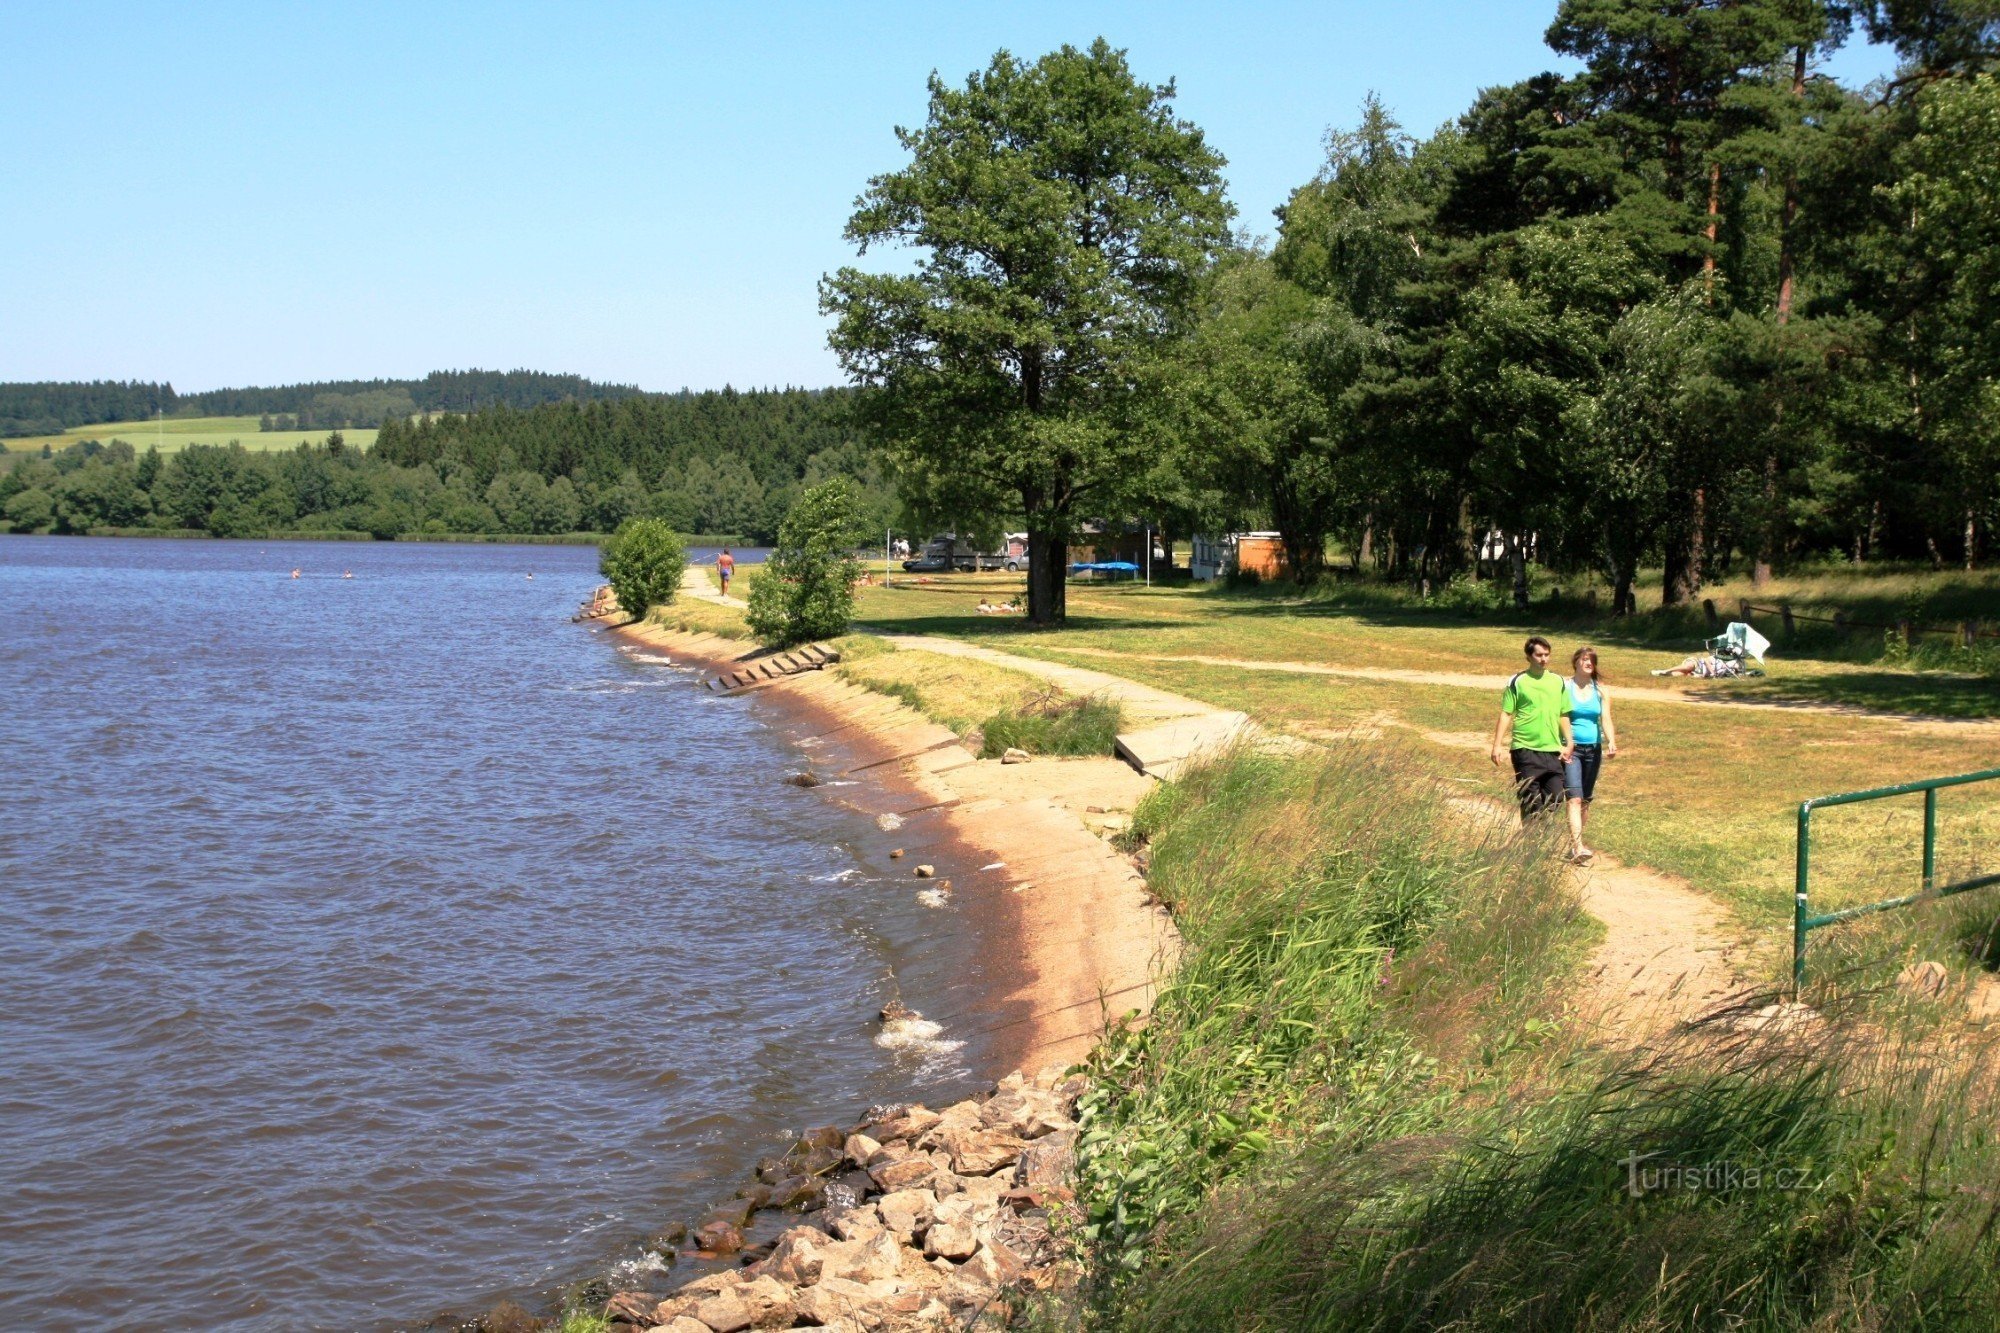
(177, 433)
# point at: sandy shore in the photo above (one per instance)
(1079, 937)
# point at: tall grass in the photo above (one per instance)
(1339, 917)
(1051, 722)
(1762, 1184)
(1358, 1105)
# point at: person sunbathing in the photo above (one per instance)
(1706, 666)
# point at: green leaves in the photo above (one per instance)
(1062, 215)
(806, 589)
(644, 561)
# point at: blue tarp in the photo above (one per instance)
(1105, 567)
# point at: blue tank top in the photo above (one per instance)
(1586, 706)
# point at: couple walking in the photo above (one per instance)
(1557, 730)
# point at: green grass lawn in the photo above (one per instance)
(1707, 793)
(177, 433)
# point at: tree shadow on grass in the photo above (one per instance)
(1908, 693)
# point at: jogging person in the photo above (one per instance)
(1534, 731)
(725, 565)
(1596, 740)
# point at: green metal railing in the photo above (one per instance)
(1802, 919)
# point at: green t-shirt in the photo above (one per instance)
(1536, 706)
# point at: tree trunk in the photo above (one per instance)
(1767, 525)
(1767, 528)
(1712, 230)
(1468, 543)
(1048, 563)
(1971, 536)
(1366, 558)
(1622, 599)
(1517, 556)
(1686, 555)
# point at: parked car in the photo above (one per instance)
(947, 552)
(1017, 563)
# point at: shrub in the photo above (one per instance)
(1054, 723)
(806, 590)
(644, 561)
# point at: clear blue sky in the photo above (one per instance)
(231, 194)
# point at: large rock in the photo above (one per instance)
(957, 1118)
(991, 1266)
(681, 1323)
(729, 1302)
(906, 1174)
(911, 1123)
(877, 1259)
(1047, 1163)
(859, 1148)
(795, 1259)
(975, 1153)
(862, 1223)
(631, 1307)
(951, 1240)
(906, 1212)
(825, 1136)
(1026, 1113)
(836, 1302)
(719, 1237)
(1926, 980)
(796, 1192)
(988, 1188)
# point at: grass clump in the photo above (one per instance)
(1051, 722)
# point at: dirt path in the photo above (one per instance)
(696, 583)
(1670, 952)
(1944, 726)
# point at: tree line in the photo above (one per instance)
(721, 463)
(49, 408)
(1696, 306)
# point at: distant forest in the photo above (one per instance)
(714, 462)
(49, 408)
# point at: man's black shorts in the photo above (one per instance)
(1538, 781)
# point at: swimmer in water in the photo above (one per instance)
(347, 573)
(295, 573)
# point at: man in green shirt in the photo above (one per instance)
(1534, 731)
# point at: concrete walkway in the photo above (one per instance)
(1164, 730)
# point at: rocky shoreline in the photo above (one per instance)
(907, 1219)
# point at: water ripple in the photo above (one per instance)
(360, 963)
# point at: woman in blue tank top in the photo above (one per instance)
(1596, 740)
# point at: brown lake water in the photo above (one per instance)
(381, 946)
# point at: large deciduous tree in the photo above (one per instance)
(1062, 215)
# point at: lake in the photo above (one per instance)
(378, 946)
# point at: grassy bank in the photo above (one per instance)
(998, 708)
(1360, 1105)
